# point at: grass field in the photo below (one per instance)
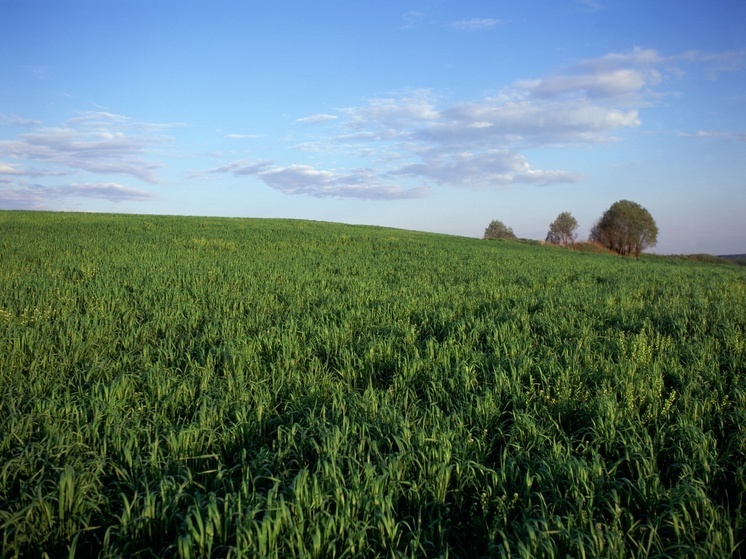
(195, 387)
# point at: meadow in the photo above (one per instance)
(205, 387)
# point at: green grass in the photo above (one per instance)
(203, 387)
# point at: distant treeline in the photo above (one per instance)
(737, 258)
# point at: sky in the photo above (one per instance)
(428, 115)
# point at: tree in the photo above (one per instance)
(498, 230)
(563, 229)
(626, 228)
(552, 238)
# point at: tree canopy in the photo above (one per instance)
(563, 229)
(626, 228)
(498, 230)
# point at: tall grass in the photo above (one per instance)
(194, 387)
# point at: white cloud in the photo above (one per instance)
(68, 148)
(23, 195)
(241, 136)
(6, 169)
(88, 145)
(359, 183)
(637, 56)
(14, 120)
(476, 23)
(585, 106)
(98, 120)
(306, 180)
(491, 168)
(14, 196)
(715, 63)
(96, 142)
(482, 143)
(717, 134)
(316, 119)
(394, 113)
(598, 85)
(477, 143)
(243, 167)
(493, 123)
(622, 79)
(108, 191)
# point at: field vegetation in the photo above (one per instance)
(203, 387)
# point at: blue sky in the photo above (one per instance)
(428, 115)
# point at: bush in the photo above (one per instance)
(498, 230)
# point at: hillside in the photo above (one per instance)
(737, 258)
(193, 387)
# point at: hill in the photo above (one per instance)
(194, 387)
(737, 258)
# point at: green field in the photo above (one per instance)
(193, 387)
